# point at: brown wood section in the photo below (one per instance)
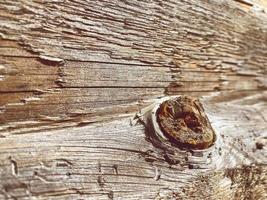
(73, 73)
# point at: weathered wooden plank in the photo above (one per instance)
(89, 66)
(114, 160)
(144, 78)
(120, 50)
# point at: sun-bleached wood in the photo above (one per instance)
(74, 74)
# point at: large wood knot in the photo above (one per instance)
(183, 121)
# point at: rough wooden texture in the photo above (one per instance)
(184, 122)
(74, 73)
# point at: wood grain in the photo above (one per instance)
(114, 160)
(74, 73)
(61, 58)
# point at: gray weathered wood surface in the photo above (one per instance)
(73, 74)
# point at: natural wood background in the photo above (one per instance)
(73, 73)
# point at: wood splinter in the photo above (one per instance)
(182, 121)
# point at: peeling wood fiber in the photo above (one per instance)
(73, 74)
(70, 59)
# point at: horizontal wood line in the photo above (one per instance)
(104, 62)
(224, 90)
(89, 68)
(89, 61)
(18, 56)
(18, 91)
(106, 87)
(110, 103)
(33, 91)
(173, 69)
(107, 182)
(40, 127)
(81, 96)
(30, 74)
(138, 82)
(11, 47)
(120, 175)
(107, 174)
(76, 191)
